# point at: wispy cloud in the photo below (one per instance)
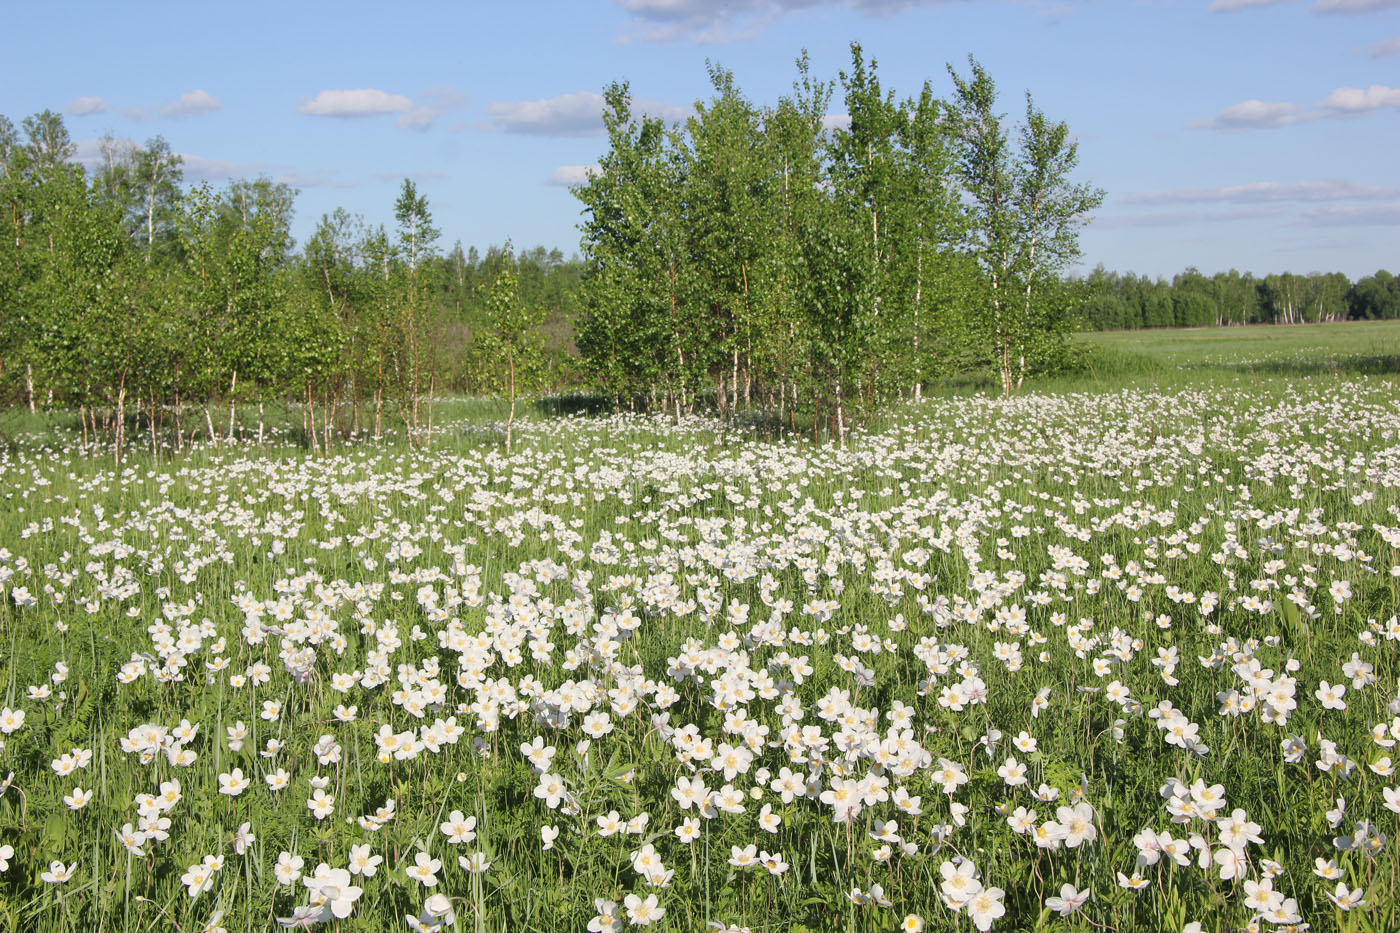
(569, 175)
(1342, 102)
(190, 104)
(372, 102)
(317, 178)
(706, 21)
(199, 168)
(576, 114)
(1321, 6)
(1182, 218)
(432, 103)
(1230, 6)
(428, 176)
(1354, 6)
(1385, 49)
(1265, 192)
(1352, 215)
(1293, 204)
(358, 102)
(83, 106)
(1255, 114)
(1346, 100)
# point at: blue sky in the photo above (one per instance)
(1262, 135)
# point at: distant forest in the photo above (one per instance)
(1113, 301)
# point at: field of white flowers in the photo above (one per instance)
(1121, 661)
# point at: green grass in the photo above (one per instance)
(1367, 347)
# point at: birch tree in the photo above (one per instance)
(1024, 215)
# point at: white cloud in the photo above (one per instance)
(198, 168)
(1230, 6)
(1386, 48)
(190, 104)
(1183, 218)
(1352, 215)
(370, 102)
(419, 118)
(836, 121)
(1256, 114)
(135, 114)
(434, 102)
(429, 176)
(1356, 100)
(1354, 6)
(570, 175)
(1295, 204)
(82, 106)
(705, 21)
(1266, 192)
(88, 152)
(362, 102)
(1342, 102)
(319, 178)
(577, 114)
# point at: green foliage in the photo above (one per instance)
(791, 265)
(510, 352)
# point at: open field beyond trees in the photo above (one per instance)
(1118, 656)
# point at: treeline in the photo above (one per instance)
(131, 299)
(1127, 302)
(764, 256)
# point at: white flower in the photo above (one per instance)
(321, 804)
(1076, 824)
(743, 857)
(363, 862)
(1069, 900)
(959, 882)
(78, 799)
(437, 913)
(986, 906)
(243, 838)
(1330, 696)
(198, 879)
(425, 869)
(1348, 900)
(288, 868)
(233, 783)
(643, 912)
(476, 863)
(332, 887)
(689, 830)
(58, 873)
(606, 920)
(1013, 772)
(458, 829)
(551, 790)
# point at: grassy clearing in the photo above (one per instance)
(1351, 348)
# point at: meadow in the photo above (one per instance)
(1115, 654)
